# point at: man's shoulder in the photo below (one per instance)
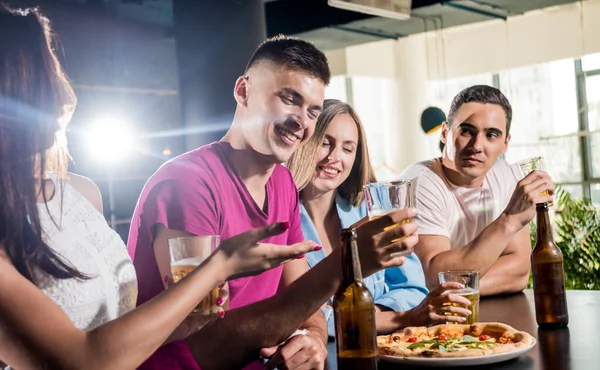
(502, 168)
(420, 168)
(281, 173)
(194, 165)
(282, 179)
(425, 174)
(501, 174)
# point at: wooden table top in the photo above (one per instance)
(571, 348)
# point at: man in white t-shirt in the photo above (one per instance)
(472, 213)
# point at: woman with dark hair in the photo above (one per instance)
(331, 170)
(67, 286)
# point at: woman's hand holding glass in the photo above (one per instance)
(438, 307)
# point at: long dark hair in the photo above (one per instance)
(36, 101)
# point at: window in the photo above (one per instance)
(545, 121)
(373, 101)
(441, 93)
(593, 106)
(595, 194)
(593, 101)
(575, 190)
(337, 89)
(589, 76)
(590, 62)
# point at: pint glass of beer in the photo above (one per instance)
(189, 252)
(470, 279)
(386, 196)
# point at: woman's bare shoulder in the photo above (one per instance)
(87, 188)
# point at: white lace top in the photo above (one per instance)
(84, 239)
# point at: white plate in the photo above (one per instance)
(459, 361)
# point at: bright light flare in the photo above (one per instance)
(110, 141)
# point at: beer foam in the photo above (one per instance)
(193, 261)
(462, 291)
(379, 212)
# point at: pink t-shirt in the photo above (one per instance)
(201, 193)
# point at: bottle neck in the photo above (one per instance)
(351, 270)
(544, 228)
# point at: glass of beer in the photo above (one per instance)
(526, 166)
(386, 196)
(470, 279)
(189, 252)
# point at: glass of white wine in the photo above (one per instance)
(189, 252)
(384, 197)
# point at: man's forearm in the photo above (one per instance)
(317, 325)
(237, 339)
(480, 254)
(507, 275)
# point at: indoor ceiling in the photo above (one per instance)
(335, 32)
(331, 28)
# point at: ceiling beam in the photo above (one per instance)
(474, 10)
(363, 31)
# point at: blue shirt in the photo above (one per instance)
(399, 288)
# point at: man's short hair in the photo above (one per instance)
(293, 53)
(481, 94)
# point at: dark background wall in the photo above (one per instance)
(169, 80)
(124, 71)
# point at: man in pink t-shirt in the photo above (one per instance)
(238, 184)
(472, 213)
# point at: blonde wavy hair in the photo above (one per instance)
(303, 162)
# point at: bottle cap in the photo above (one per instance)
(348, 233)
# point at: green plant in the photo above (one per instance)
(577, 234)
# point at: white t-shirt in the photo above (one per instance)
(458, 213)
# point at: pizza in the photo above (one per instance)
(454, 340)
